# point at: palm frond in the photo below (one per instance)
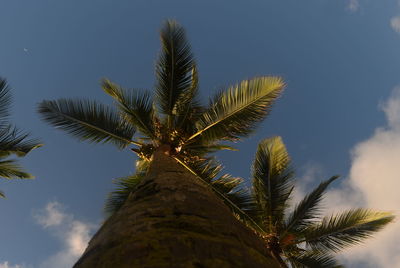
(176, 72)
(9, 169)
(88, 120)
(308, 208)
(312, 259)
(13, 141)
(5, 99)
(188, 108)
(345, 229)
(135, 106)
(124, 186)
(230, 187)
(208, 170)
(272, 181)
(233, 189)
(204, 149)
(236, 112)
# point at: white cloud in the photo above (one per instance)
(395, 23)
(353, 5)
(374, 182)
(52, 215)
(312, 173)
(73, 234)
(7, 265)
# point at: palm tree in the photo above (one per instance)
(173, 217)
(12, 141)
(301, 238)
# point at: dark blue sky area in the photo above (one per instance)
(338, 65)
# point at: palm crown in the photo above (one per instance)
(301, 237)
(12, 141)
(172, 119)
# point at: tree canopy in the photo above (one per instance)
(171, 117)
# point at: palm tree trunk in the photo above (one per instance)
(174, 220)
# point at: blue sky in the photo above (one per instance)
(340, 60)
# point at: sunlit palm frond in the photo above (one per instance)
(176, 72)
(233, 189)
(308, 208)
(88, 120)
(5, 99)
(9, 169)
(345, 229)
(272, 181)
(124, 187)
(207, 168)
(203, 149)
(135, 105)
(311, 259)
(13, 141)
(189, 108)
(236, 112)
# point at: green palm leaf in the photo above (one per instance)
(345, 229)
(206, 170)
(308, 208)
(311, 259)
(236, 112)
(9, 169)
(189, 109)
(14, 142)
(203, 149)
(176, 73)
(135, 106)
(124, 187)
(272, 181)
(5, 99)
(233, 190)
(88, 120)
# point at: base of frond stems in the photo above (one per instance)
(174, 220)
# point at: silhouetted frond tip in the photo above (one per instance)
(175, 71)
(88, 120)
(350, 227)
(313, 260)
(5, 99)
(307, 210)
(135, 106)
(9, 169)
(12, 141)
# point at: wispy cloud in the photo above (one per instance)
(7, 265)
(51, 215)
(73, 235)
(373, 182)
(353, 5)
(395, 23)
(312, 173)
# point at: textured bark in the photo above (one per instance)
(174, 220)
